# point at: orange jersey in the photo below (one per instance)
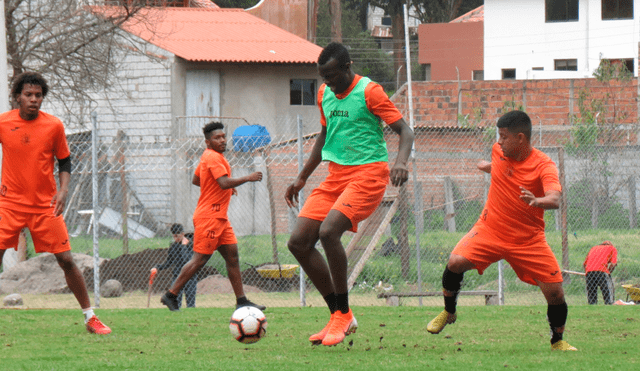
(377, 100)
(505, 214)
(214, 201)
(599, 258)
(28, 152)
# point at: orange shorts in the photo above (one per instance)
(531, 262)
(209, 234)
(48, 231)
(355, 191)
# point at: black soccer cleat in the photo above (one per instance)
(170, 302)
(249, 303)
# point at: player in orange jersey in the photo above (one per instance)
(524, 183)
(28, 195)
(352, 141)
(212, 228)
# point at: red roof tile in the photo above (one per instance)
(476, 15)
(219, 35)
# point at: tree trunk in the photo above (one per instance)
(397, 29)
(335, 10)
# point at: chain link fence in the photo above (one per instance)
(125, 194)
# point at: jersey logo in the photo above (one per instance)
(346, 205)
(16, 128)
(554, 273)
(26, 139)
(65, 242)
(508, 172)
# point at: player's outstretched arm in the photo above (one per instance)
(225, 182)
(551, 199)
(291, 194)
(484, 166)
(400, 172)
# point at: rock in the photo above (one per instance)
(12, 300)
(41, 275)
(111, 289)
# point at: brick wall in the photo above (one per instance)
(552, 102)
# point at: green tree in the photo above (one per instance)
(351, 27)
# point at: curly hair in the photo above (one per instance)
(31, 78)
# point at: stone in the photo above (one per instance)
(111, 289)
(12, 300)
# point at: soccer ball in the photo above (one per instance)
(248, 324)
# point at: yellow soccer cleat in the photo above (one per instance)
(562, 345)
(437, 324)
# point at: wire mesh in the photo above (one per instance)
(144, 187)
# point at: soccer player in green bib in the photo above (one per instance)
(351, 140)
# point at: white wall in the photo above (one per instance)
(517, 36)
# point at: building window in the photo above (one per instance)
(617, 9)
(566, 64)
(478, 75)
(509, 74)
(386, 21)
(302, 92)
(627, 63)
(537, 68)
(561, 10)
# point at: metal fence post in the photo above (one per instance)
(303, 300)
(96, 225)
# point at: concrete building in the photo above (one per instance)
(558, 39)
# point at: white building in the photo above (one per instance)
(556, 39)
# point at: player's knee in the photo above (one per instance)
(65, 262)
(298, 245)
(328, 235)
(459, 264)
(451, 281)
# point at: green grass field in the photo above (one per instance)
(388, 338)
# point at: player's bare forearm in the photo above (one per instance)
(484, 166)
(399, 171)
(550, 201)
(225, 182)
(60, 199)
(195, 180)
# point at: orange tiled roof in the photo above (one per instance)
(476, 15)
(219, 35)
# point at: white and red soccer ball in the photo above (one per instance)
(248, 324)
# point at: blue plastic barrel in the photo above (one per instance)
(247, 138)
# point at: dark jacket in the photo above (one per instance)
(177, 256)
